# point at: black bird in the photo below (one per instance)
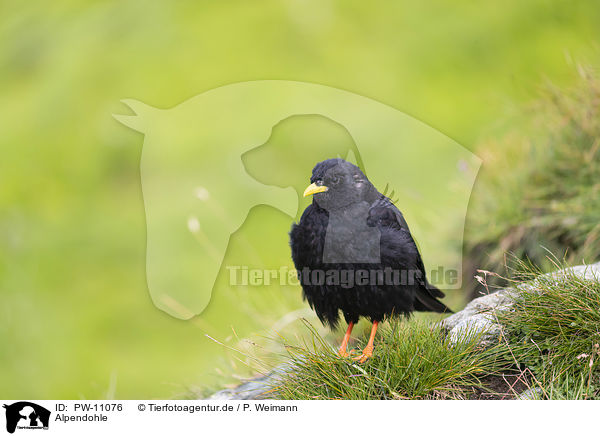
(354, 253)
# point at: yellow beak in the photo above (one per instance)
(314, 189)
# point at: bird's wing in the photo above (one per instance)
(399, 247)
(384, 213)
(397, 241)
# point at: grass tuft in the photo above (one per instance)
(412, 360)
(554, 331)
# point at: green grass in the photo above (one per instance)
(551, 341)
(75, 308)
(539, 186)
(412, 360)
(554, 331)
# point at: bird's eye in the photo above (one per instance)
(319, 182)
(335, 179)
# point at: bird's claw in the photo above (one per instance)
(352, 353)
(362, 358)
(343, 353)
(366, 354)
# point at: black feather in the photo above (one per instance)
(397, 251)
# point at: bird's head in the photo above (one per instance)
(336, 183)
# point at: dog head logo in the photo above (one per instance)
(208, 161)
(26, 415)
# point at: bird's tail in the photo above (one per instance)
(427, 300)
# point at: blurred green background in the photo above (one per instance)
(76, 319)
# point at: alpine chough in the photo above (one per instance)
(354, 254)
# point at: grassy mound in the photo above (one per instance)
(411, 361)
(554, 332)
(551, 342)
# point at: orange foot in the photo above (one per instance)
(343, 353)
(366, 354)
(368, 351)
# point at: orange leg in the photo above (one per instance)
(368, 351)
(343, 347)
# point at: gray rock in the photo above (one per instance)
(252, 389)
(589, 272)
(532, 394)
(479, 316)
